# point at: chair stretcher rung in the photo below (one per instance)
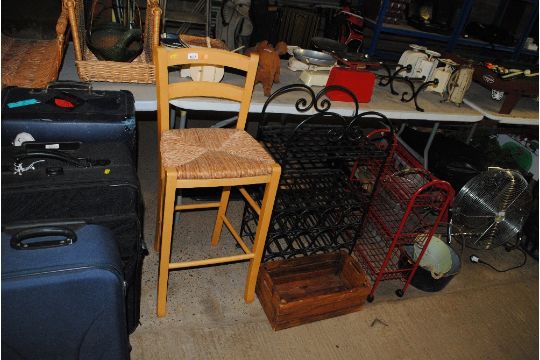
(197, 206)
(250, 200)
(211, 261)
(236, 235)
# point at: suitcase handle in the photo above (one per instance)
(64, 237)
(69, 85)
(57, 155)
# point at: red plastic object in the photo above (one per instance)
(63, 103)
(361, 83)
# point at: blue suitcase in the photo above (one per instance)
(62, 293)
(69, 111)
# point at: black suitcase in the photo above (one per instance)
(95, 183)
(62, 294)
(69, 111)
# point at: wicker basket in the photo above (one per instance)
(200, 41)
(33, 63)
(89, 68)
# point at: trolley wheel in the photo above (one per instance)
(370, 298)
(399, 292)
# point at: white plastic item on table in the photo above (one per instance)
(296, 65)
(209, 73)
(426, 66)
(442, 74)
(315, 77)
(411, 57)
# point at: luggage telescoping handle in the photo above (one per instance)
(62, 237)
(69, 85)
(58, 155)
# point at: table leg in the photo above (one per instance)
(183, 119)
(401, 128)
(509, 102)
(428, 144)
(471, 133)
(172, 117)
(173, 124)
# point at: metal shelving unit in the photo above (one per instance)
(455, 38)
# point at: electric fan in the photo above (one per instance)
(490, 209)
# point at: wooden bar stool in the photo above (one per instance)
(209, 157)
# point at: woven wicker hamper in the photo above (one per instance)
(33, 63)
(89, 68)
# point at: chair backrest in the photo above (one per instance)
(168, 90)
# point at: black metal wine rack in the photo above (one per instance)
(318, 208)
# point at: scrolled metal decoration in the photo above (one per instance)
(352, 128)
(302, 105)
(416, 92)
(325, 103)
(409, 82)
(384, 80)
(315, 101)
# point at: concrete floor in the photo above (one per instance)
(481, 314)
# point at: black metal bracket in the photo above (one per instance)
(415, 92)
(391, 76)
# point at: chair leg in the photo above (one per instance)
(262, 230)
(224, 202)
(166, 238)
(159, 215)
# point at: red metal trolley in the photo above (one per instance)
(407, 207)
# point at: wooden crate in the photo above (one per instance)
(302, 290)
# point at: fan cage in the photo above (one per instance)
(491, 208)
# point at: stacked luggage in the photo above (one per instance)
(69, 167)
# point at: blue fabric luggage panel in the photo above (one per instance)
(68, 111)
(62, 293)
